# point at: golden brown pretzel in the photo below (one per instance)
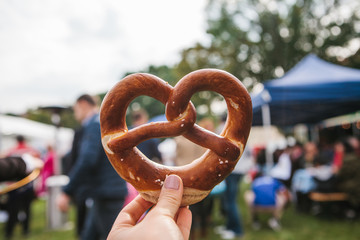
(202, 174)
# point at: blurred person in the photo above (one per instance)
(339, 153)
(297, 159)
(68, 163)
(186, 152)
(16, 169)
(92, 175)
(266, 195)
(323, 174)
(343, 147)
(348, 177)
(149, 147)
(338, 177)
(22, 147)
(282, 169)
(167, 150)
(288, 162)
(70, 158)
(302, 182)
(318, 174)
(19, 201)
(234, 227)
(48, 169)
(355, 144)
(311, 152)
(276, 155)
(260, 158)
(165, 221)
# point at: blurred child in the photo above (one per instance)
(267, 195)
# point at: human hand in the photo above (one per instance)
(63, 202)
(164, 221)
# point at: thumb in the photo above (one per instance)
(170, 196)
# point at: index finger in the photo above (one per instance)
(132, 212)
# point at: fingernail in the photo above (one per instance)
(172, 182)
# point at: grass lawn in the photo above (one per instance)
(38, 229)
(296, 226)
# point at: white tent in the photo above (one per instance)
(39, 135)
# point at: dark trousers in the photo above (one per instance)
(100, 218)
(233, 215)
(81, 210)
(18, 209)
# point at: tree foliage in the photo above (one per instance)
(172, 75)
(258, 40)
(67, 118)
(261, 40)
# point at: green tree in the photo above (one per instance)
(172, 75)
(258, 40)
(67, 118)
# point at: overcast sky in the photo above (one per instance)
(53, 50)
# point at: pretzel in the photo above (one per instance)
(204, 173)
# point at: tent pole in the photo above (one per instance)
(266, 118)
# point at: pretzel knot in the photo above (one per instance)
(203, 173)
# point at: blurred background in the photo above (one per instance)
(53, 51)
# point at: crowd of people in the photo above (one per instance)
(307, 168)
(99, 194)
(296, 171)
(94, 187)
(16, 164)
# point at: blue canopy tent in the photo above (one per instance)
(310, 92)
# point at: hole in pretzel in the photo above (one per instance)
(176, 151)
